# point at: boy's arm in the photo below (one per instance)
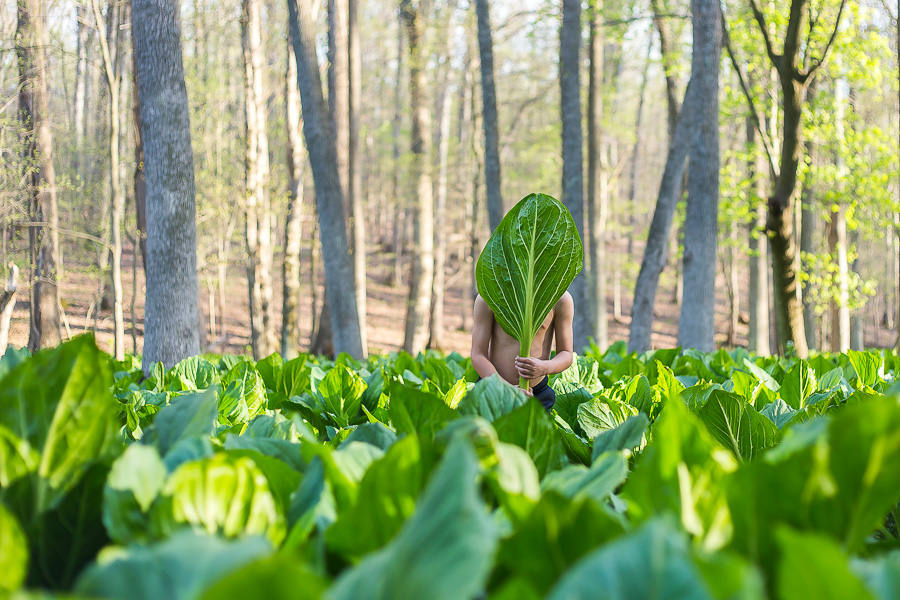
(564, 314)
(481, 338)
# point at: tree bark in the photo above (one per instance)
(758, 335)
(40, 175)
(492, 177)
(696, 327)
(293, 225)
(421, 279)
(112, 68)
(444, 106)
(171, 330)
(140, 181)
(396, 123)
(81, 78)
(668, 68)
(572, 142)
(808, 246)
(258, 227)
(597, 184)
(354, 189)
(658, 237)
(319, 137)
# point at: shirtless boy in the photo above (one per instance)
(495, 351)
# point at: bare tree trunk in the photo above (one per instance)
(319, 137)
(444, 106)
(840, 310)
(396, 123)
(81, 78)
(492, 177)
(421, 279)
(140, 181)
(696, 327)
(658, 237)
(808, 245)
(259, 220)
(354, 189)
(34, 114)
(171, 330)
(668, 67)
(597, 185)
(857, 317)
(112, 64)
(758, 337)
(293, 226)
(572, 141)
(7, 304)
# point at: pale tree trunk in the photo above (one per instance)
(490, 122)
(467, 130)
(81, 78)
(140, 181)
(573, 169)
(837, 237)
(34, 114)
(396, 123)
(444, 103)
(171, 330)
(259, 220)
(293, 225)
(857, 317)
(354, 165)
(422, 276)
(668, 68)
(597, 184)
(808, 245)
(758, 336)
(658, 237)
(840, 310)
(319, 138)
(7, 304)
(339, 118)
(696, 327)
(112, 68)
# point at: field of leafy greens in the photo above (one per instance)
(666, 475)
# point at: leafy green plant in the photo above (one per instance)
(526, 266)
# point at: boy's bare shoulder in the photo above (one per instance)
(565, 305)
(482, 307)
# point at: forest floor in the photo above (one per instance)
(386, 309)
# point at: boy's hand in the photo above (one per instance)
(531, 368)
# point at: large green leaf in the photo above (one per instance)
(654, 562)
(527, 265)
(188, 416)
(798, 384)
(602, 414)
(134, 483)
(532, 429)
(867, 366)
(387, 497)
(281, 576)
(414, 411)
(556, 534)
(881, 575)
(627, 436)
(813, 566)
(596, 482)
(443, 552)
(341, 394)
(492, 398)
(737, 425)
(57, 418)
(226, 493)
(179, 568)
(13, 552)
(681, 472)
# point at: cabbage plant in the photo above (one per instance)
(527, 265)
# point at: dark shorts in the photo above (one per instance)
(543, 392)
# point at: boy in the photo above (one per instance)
(495, 351)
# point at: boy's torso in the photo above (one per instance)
(504, 349)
